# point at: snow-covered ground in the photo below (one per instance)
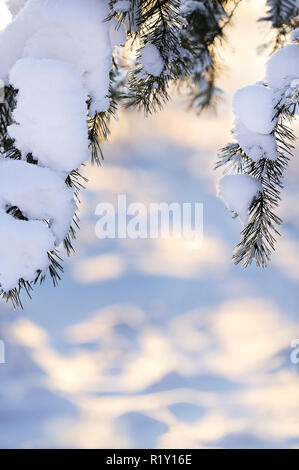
(145, 343)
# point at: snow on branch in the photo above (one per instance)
(180, 38)
(56, 59)
(263, 147)
(66, 74)
(281, 14)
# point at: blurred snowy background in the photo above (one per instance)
(144, 343)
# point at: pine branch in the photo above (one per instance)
(280, 12)
(187, 35)
(74, 180)
(159, 24)
(259, 236)
(202, 34)
(98, 125)
(282, 16)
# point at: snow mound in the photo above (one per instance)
(256, 146)
(69, 30)
(39, 193)
(58, 55)
(283, 64)
(51, 122)
(152, 61)
(254, 106)
(23, 249)
(238, 192)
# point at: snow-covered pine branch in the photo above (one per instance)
(281, 14)
(64, 80)
(175, 43)
(57, 56)
(63, 84)
(255, 163)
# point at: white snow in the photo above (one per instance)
(57, 54)
(15, 6)
(238, 192)
(254, 106)
(283, 64)
(69, 30)
(23, 249)
(294, 36)
(50, 114)
(151, 60)
(122, 6)
(256, 146)
(39, 193)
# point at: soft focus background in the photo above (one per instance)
(144, 343)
